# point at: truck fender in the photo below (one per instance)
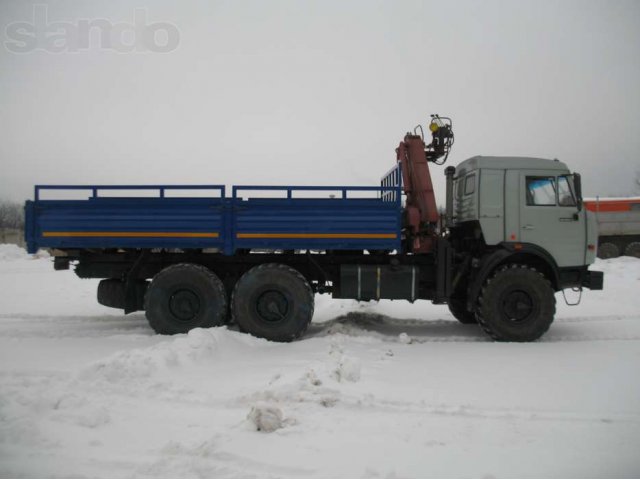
(522, 253)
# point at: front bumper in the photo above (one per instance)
(579, 277)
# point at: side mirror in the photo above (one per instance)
(577, 184)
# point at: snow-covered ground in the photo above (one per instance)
(374, 389)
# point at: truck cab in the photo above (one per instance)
(528, 201)
(519, 233)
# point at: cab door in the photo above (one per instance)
(549, 216)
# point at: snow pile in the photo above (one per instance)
(348, 369)
(266, 418)
(196, 346)
(11, 252)
(367, 326)
(296, 388)
(404, 338)
(80, 410)
(148, 370)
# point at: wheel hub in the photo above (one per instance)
(517, 306)
(272, 306)
(184, 305)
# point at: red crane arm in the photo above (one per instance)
(421, 211)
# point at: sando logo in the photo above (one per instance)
(41, 34)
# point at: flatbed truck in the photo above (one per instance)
(514, 232)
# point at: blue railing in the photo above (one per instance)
(384, 190)
(392, 180)
(96, 188)
(294, 220)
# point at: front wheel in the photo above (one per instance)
(517, 304)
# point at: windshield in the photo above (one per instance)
(566, 191)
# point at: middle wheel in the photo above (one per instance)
(185, 296)
(273, 301)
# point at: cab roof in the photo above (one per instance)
(517, 163)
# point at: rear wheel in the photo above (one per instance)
(633, 250)
(185, 296)
(273, 301)
(608, 250)
(517, 304)
(458, 308)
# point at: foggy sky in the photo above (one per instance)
(322, 92)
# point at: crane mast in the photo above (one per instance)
(421, 212)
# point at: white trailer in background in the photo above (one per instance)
(618, 225)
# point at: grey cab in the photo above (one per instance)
(528, 201)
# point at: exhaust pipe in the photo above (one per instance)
(449, 173)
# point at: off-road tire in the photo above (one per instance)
(608, 250)
(458, 308)
(183, 297)
(273, 301)
(633, 250)
(516, 304)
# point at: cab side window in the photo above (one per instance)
(470, 184)
(541, 191)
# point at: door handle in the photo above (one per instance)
(573, 218)
(528, 227)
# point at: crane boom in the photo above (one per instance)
(421, 212)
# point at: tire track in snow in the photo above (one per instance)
(309, 391)
(466, 411)
(355, 324)
(384, 328)
(209, 459)
(601, 318)
(73, 326)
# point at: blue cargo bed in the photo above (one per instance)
(249, 219)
